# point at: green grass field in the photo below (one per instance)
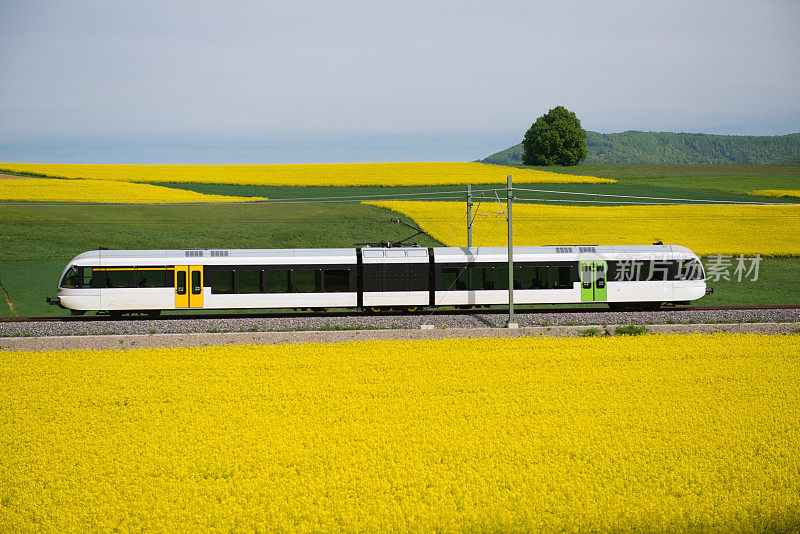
(37, 240)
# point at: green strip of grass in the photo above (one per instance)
(458, 192)
(731, 179)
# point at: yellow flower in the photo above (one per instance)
(52, 190)
(345, 174)
(648, 433)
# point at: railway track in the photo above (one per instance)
(336, 314)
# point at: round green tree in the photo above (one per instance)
(556, 138)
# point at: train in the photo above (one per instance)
(118, 282)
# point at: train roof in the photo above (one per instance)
(559, 253)
(297, 256)
(108, 258)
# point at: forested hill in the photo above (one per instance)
(666, 147)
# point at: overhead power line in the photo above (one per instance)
(707, 201)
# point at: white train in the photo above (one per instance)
(150, 281)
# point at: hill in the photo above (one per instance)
(667, 147)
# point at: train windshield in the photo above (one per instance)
(72, 278)
(77, 277)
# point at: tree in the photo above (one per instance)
(556, 138)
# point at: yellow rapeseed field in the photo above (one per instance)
(721, 229)
(652, 433)
(53, 190)
(345, 174)
(776, 193)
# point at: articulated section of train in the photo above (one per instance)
(151, 281)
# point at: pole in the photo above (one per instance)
(469, 216)
(511, 322)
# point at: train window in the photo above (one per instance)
(659, 270)
(689, 270)
(600, 275)
(153, 278)
(249, 281)
(502, 277)
(180, 284)
(120, 278)
(197, 287)
(481, 278)
(561, 277)
(337, 280)
(629, 270)
(418, 275)
(279, 281)
(646, 271)
(454, 279)
(535, 277)
(73, 278)
(587, 277)
(88, 272)
(308, 280)
(222, 282)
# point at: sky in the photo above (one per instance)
(178, 81)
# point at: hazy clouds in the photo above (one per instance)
(371, 80)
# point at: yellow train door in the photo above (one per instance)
(196, 286)
(188, 286)
(181, 289)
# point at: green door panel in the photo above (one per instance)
(600, 279)
(587, 287)
(594, 275)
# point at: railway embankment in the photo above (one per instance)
(271, 330)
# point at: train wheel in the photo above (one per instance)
(412, 309)
(153, 313)
(115, 315)
(375, 309)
